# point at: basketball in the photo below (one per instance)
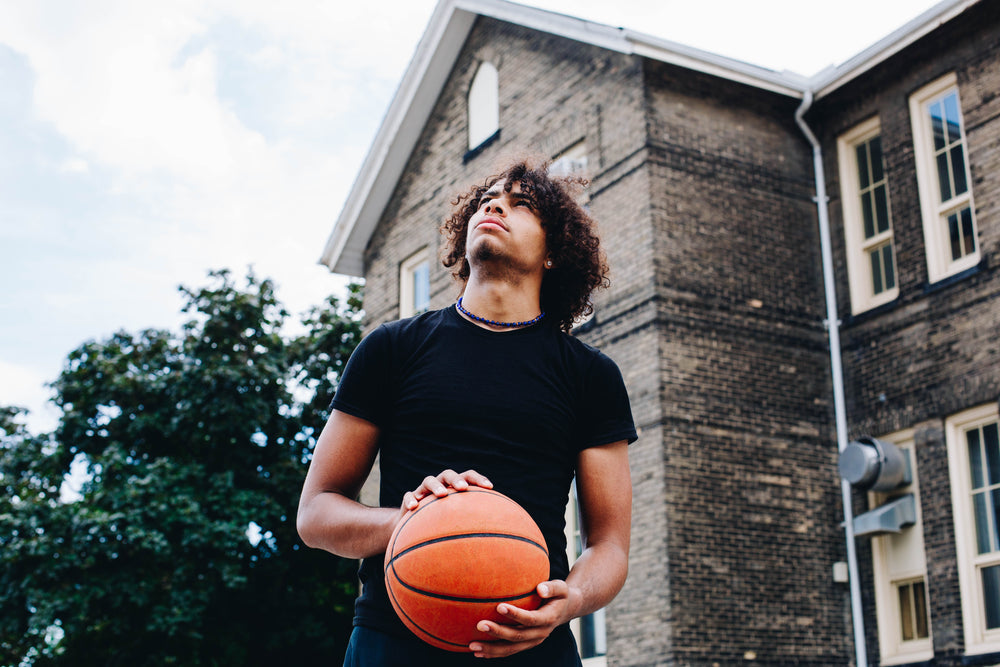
(452, 560)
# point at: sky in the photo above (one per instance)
(144, 144)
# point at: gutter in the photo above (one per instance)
(840, 412)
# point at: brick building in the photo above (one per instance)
(796, 263)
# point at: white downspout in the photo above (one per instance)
(839, 410)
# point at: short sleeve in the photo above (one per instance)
(606, 414)
(361, 391)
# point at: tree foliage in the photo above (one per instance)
(179, 546)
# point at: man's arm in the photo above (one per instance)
(329, 518)
(604, 489)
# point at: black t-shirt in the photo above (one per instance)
(516, 406)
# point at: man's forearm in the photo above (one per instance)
(345, 527)
(597, 575)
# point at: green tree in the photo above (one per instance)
(179, 547)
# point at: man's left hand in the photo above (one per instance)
(526, 629)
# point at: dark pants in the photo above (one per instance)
(371, 648)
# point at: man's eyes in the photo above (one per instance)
(517, 202)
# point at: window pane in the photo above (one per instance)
(920, 609)
(867, 212)
(989, 439)
(975, 459)
(954, 236)
(952, 119)
(421, 288)
(875, 150)
(881, 209)
(890, 266)
(958, 168)
(991, 443)
(588, 648)
(906, 612)
(913, 610)
(876, 258)
(863, 177)
(995, 537)
(944, 176)
(991, 596)
(937, 123)
(484, 105)
(982, 522)
(968, 232)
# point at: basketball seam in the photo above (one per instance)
(416, 626)
(458, 598)
(460, 536)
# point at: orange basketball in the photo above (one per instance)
(451, 560)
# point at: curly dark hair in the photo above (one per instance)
(571, 238)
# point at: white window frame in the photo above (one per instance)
(571, 162)
(572, 537)
(407, 283)
(859, 270)
(483, 104)
(934, 212)
(977, 639)
(900, 559)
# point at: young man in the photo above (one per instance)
(493, 386)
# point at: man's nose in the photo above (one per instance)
(495, 207)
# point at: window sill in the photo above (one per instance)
(979, 659)
(473, 152)
(948, 281)
(914, 660)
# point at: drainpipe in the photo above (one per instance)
(840, 413)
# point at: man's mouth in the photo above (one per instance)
(491, 221)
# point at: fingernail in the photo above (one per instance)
(482, 627)
(543, 590)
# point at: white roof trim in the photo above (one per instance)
(404, 120)
(833, 78)
(443, 39)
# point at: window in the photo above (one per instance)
(943, 176)
(415, 284)
(900, 569)
(871, 260)
(571, 162)
(589, 631)
(484, 105)
(974, 467)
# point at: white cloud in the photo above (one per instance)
(23, 386)
(74, 165)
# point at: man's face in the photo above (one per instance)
(506, 231)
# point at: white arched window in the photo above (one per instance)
(484, 105)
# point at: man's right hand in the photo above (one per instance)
(441, 484)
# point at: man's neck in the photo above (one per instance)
(500, 302)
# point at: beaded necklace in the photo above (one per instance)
(462, 310)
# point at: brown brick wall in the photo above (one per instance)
(752, 491)
(932, 352)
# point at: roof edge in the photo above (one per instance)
(832, 78)
(427, 72)
(444, 37)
